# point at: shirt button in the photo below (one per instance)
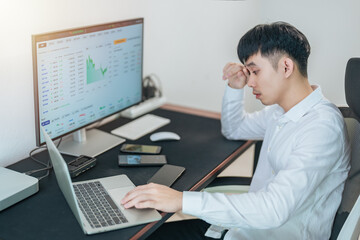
(269, 149)
(273, 173)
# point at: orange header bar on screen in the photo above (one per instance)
(119, 41)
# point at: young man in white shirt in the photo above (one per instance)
(304, 160)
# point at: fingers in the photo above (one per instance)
(143, 196)
(231, 70)
(135, 193)
(141, 201)
(236, 74)
(244, 73)
(225, 69)
(146, 204)
(153, 196)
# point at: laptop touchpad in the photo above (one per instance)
(118, 194)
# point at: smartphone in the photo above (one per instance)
(80, 165)
(141, 160)
(137, 148)
(167, 175)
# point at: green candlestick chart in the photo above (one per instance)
(93, 74)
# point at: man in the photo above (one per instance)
(304, 160)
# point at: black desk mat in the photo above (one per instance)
(46, 214)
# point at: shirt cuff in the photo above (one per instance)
(233, 93)
(192, 203)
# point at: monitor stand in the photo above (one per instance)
(90, 143)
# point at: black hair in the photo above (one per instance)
(275, 39)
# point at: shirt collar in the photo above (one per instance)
(300, 109)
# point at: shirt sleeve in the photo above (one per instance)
(236, 124)
(310, 163)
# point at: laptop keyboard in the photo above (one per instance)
(97, 206)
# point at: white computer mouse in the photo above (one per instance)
(163, 136)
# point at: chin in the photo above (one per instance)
(266, 103)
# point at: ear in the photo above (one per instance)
(287, 66)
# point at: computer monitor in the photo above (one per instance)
(84, 75)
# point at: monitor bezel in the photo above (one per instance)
(35, 40)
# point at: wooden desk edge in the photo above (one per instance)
(193, 111)
(215, 171)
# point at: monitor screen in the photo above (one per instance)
(85, 74)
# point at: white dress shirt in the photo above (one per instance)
(299, 179)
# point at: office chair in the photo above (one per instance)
(351, 228)
(351, 192)
(352, 185)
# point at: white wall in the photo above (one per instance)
(333, 30)
(190, 43)
(186, 45)
(187, 42)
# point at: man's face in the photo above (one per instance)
(267, 83)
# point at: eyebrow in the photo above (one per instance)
(251, 64)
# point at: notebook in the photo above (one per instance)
(96, 203)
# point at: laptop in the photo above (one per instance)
(96, 203)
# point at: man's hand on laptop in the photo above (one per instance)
(155, 196)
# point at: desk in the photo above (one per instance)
(202, 150)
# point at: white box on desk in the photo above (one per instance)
(15, 186)
(144, 107)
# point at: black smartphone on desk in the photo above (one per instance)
(167, 175)
(141, 160)
(138, 148)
